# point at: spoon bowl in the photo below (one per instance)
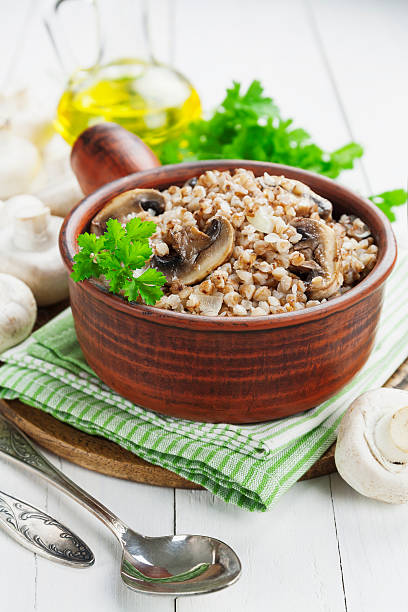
(177, 564)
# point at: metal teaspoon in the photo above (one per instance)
(168, 565)
(42, 534)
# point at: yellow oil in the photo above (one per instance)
(151, 100)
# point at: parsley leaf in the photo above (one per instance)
(137, 229)
(249, 125)
(147, 285)
(116, 255)
(86, 264)
(91, 242)
(388, 199)
(114, 234)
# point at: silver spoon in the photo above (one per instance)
(169, 565)
(42, 534)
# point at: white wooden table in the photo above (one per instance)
(338, 67)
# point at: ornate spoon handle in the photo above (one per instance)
(42, 534)
(16, 445)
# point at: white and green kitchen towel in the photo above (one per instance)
(249, 465)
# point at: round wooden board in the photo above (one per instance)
(108, 458)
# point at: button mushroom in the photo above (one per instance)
(372, 445)
(59, 188)
(29, 248)
(127, 205)
(322, 258)
(18, 311)
(194, 254)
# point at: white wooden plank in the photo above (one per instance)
(147, 509)
(122, 36)
(35, 63)
(17, 562)
(365, 43)
(223, 41)
(289, 554)
(14, 17)
(374, 550)
(369, 71)
(367, 49)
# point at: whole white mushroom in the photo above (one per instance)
(58, 187)
(18, 311)
(372, 445)
(29, 248)
(61, 195)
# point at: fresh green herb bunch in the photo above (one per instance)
(116, 255)
(249, 126)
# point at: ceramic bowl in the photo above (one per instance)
(232, 370)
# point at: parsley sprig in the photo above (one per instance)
(388, 199)
(116, 255)
(249, 125)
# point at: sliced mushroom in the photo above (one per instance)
(320, 248)
(305, 196)
(324, 207)
(192, 182)
(127, 205)
(194, 254)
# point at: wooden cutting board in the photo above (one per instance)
(108, 458)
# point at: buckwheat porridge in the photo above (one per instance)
(231, 244)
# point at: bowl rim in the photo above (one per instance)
(373, 281)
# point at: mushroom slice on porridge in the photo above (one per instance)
(305, 195)
(322, 258)
(194, 254)
(324, 207)
(127, 205)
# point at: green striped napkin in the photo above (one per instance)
(249, 465)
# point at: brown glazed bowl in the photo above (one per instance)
(234, 370)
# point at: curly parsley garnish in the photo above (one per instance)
(116, 255)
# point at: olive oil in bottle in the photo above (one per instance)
(149, 99)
